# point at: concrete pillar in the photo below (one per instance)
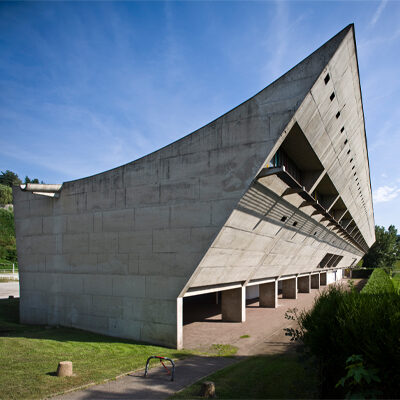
(179, 323)
(322, 278)
(233, 305)
(269, 294)
(315, 281)
(304, 284)
(289, 288)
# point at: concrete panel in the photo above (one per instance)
(289, 288)
(269, 294)
(233, 305)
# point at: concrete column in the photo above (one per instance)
(269, 294)
(179, 323)
(304, 284)
(289, 288)
(233, 305)
(315, 281)
(323, 278)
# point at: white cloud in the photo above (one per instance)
(378, 12)
(385, 193)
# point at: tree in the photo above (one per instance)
(28, 180)
(5, 195)
(385, 251)
(9, 178)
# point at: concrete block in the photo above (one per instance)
(105, 242)
(97, 222)
(106, 306)
(83, 263)
(100, 200)
(155, 217)
(29, 226)
(164, 334)
(125, 328)
(160, 311)
(135, 242)
(268, 294)
(118, 220)
(75, 243)
(221, 210)
(41, 206)
(289, 288)
(233, 305)
(31, 262)
(162, 287)
(144, 171)
(182, 191)
(57, 263)
(113, 264)
(80, 223)
(44, 244)
(170, 240)
(129, 286)
(142, 194)
(55, 224)
(97, 285)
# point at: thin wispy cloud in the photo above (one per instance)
(378, 12)
(385, 194)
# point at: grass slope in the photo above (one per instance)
(280, 376)
(29, 356)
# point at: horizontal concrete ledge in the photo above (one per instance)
(261, 281)
(234, 285)
(212, 288)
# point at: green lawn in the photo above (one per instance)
(29, 356)
(281, 376)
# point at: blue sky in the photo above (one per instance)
(85, 87)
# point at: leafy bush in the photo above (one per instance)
(379, 282)
(7, 236)
(5, 195)
(344, 323)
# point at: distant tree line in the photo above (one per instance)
(385, 252)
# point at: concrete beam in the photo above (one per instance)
(322, 278)
(315, 281)
(289, 288)
(233, 305)
(268, 294)
(179, 323)
(304, 284)
(312, 179)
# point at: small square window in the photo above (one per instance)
(338, 115)
(327, 78)
(283, 219)
(332, 96)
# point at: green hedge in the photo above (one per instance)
(379, 282)
(343, 323)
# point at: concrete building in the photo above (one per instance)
(273, 195)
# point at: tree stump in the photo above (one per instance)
(208, 389)
(64, 368)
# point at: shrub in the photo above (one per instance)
(344, 323)
(379, 282)
(7, 236)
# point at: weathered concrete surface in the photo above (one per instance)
(269, 294)
(114, 252)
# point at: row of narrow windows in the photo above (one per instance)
(332, 96)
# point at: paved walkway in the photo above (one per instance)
(9, 289)
(157, 385)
